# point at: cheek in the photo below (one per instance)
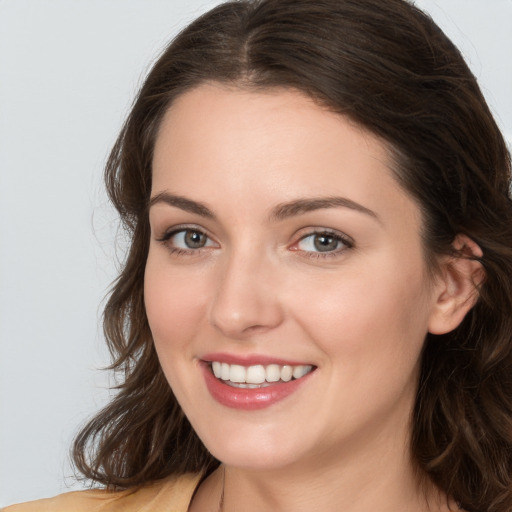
(372, 317)
(173, 306)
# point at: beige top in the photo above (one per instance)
(172, 494)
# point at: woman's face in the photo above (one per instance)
(281, 245)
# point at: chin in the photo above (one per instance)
(256, 448)
(252, 459)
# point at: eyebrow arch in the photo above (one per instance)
(301, 206)
(183, 203)
(280, 212)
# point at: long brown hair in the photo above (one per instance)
(388, 67)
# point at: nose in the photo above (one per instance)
(246, 299)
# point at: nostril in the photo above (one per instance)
(246, 300)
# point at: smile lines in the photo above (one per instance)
(258, 375)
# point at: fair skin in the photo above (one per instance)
(238, 268)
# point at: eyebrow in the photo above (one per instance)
(279, 212)
(183, 203)
(301, 206)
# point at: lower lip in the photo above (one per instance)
(249, 399)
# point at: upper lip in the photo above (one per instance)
(250, 359)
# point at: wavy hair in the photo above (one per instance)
(388, 67)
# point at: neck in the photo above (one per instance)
(380, 484)
(371, 472)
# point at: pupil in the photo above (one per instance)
(194, 239)
(325, 243)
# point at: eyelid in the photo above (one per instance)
(174, 230)
(170, 231)
(347, 241)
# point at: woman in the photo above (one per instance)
(315, 310)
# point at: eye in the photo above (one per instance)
(187, 239)
(326, 242)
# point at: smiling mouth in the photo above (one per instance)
(258, 376)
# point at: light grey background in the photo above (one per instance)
(69, 70)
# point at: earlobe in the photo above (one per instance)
(456, 289)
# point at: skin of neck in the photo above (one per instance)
(378, 479)
(373, 471)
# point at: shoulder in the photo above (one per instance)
(172, 494)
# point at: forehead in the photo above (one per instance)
(278, 144)
(214, 120)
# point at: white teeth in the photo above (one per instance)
(255, 374)
(286, 373)
(273, 373)
(300, 371)
(224, 373)
(217, 369)
(237, 373)
(258, 375)
(246, 386)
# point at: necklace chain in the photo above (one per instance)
(221, 501)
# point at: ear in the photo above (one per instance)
(456, 288)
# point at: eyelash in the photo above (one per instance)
(178, 251)
(346, 241)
